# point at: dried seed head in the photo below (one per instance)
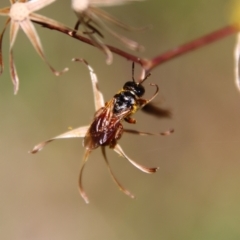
(20, 15)
(93, 20)
(80, 5)
(19, 12)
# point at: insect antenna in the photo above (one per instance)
(124, 190)
(145, 78)
(155, 94)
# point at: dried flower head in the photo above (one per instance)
(106, 128)
(93, 19)
(20, 15)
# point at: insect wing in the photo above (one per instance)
(103, 127)
(106, 127)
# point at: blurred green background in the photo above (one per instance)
(194, 195)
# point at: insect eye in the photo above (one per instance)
(136, 88)
(140, 90)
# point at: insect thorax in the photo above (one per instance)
(125, 100)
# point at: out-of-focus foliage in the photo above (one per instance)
(235, 11)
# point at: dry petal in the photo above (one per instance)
(14, 27)
(81, 190)
(120, 151)
(30, 31)
(1, 38)
(45, 20)
(98, 96)
(13, 73)
(4, 11)
(112, 19)
(128, 42)
(75, 133)
(124, 190)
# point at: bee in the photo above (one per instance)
(107, 125)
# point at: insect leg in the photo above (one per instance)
(165, 133)
(133, 66)
(130, 120)
(92, 28)
(77, 25)
(143, 102)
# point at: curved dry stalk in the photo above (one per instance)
(81, 190)
(115, 21)
(133, 45)
(75, 133)
(97, 42)
(1, 38)
(120, 151)
(121, 188)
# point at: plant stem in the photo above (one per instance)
(148, 65)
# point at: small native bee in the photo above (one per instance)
(106, 128)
